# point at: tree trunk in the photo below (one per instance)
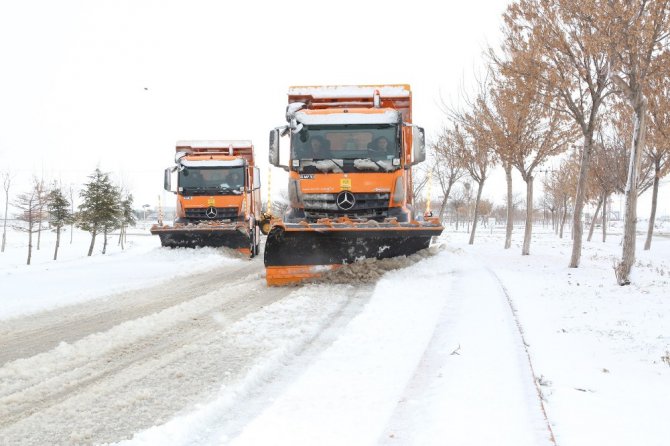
(57, 242)
(90, 248)
(39, 231)
(528, 230)
(553, 220)
(593, 220)
(4, 227)
(565, 215)
(654, 202)
(104, 245)
(605, 217)
(30, 237)
(443, 207)
(40, 198)
(577, 229)
(72, 214)
(123, 237)
(474, 220)
(510, 210)
(623, 269)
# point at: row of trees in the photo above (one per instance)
(583, 81)
(104, 208)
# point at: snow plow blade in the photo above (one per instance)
(230, 235)
(299, 251)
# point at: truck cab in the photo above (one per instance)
(350, 158)
(218, 195)
(351, 149)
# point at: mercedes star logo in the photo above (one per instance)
(211, 212)
(345, 200)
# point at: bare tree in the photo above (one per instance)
(526, 128)
(28, 205)
(42, 199)
(6, 184)
(446, 168)
(658, 148)
(558, 36)
(476, 156)
(280, 204)
(638, 35)
(560, 186)
(126, 218)
(606, 173)
(72, 220)
(420, 178)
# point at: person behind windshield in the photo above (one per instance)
(379, 146)
(319, 147)
(230, 178)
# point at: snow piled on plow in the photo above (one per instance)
(371, 270)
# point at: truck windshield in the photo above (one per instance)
(211, 180)
(377, 144)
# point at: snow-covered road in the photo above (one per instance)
(189, 347)
(217, 357)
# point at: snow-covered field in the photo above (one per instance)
(460, 345)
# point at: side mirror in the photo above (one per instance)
(274, 147)
(257, 178)
(167, 180)
(418, 145)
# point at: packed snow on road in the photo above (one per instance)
(459, 344)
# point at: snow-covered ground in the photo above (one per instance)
(74, 277)
(460, 345)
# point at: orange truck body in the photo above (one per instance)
(349, 197)
(218, 196)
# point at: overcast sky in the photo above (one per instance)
(115, 83)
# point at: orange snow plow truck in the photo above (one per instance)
(350, 158)
(218, 197)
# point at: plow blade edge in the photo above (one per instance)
(295, 252)
(235, 238)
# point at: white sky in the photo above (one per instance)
(72, 86)
(74, 73)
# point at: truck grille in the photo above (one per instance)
(367, 206)
(221, 214)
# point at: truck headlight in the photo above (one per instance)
(399, 191)
(295, 194)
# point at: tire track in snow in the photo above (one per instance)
(40, 387)
(30, 335)
(466, 389)
(107, 386)
(55, 376)
(536, 380)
